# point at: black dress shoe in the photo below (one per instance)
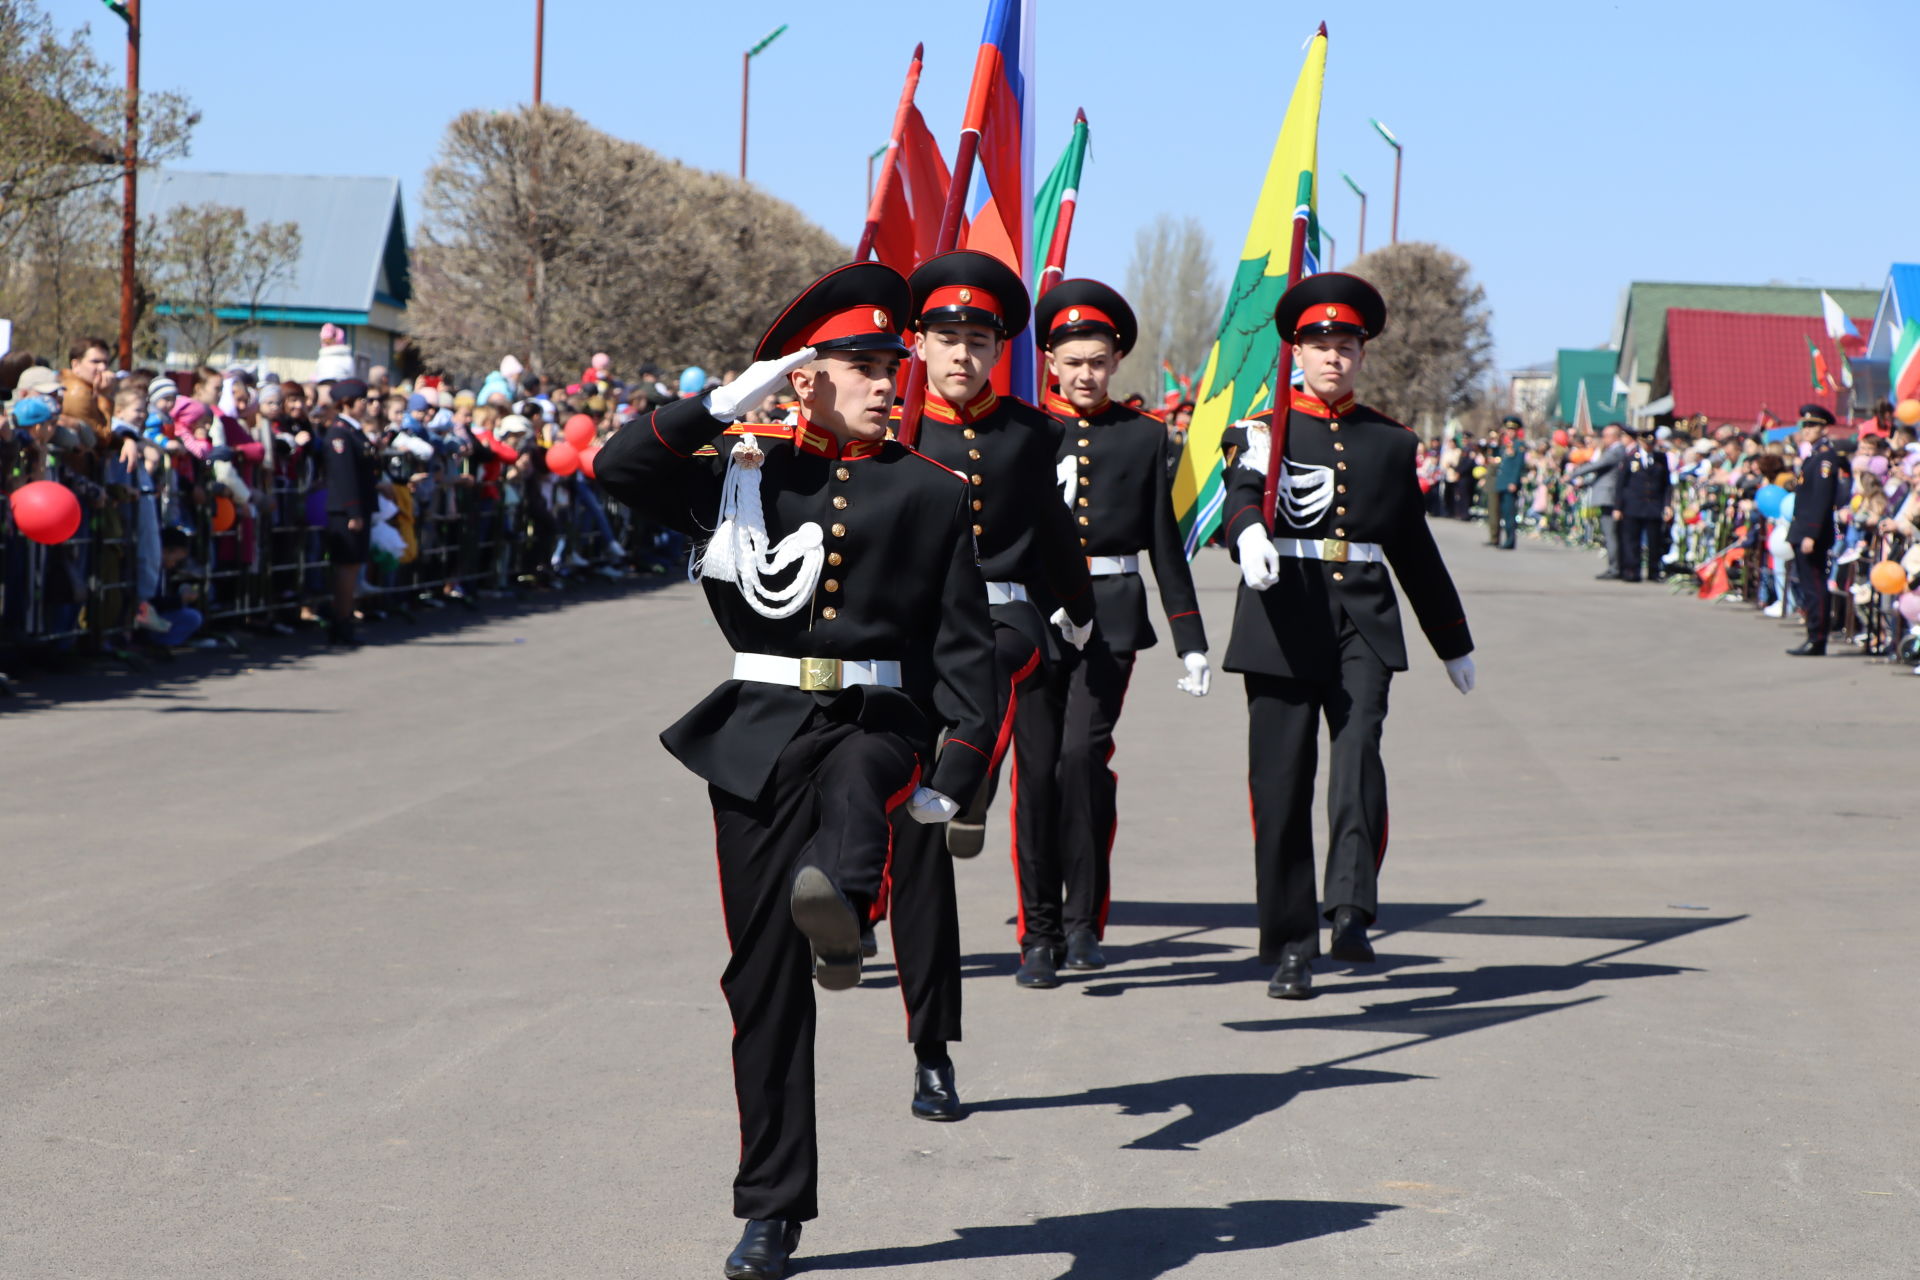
(763, 1250)
(1293, 980)
(1811, 649)
(1605, 577)
(1038, 968)
(966, 839)
(1083, 951)
(1350, 937)
(934, 1095)
(869, 944)
(823, 914)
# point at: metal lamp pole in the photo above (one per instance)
(1399, 154)
(1332, 245)
(539, 45)
(877, 153)
(129, 13)
(746, 71)
(1355, 187)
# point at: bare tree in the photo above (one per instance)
(62, 119)
(211, 271)
(1177, 296)
(543, 236)
(1437, 349)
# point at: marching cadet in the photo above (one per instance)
(1115, 481)
(841, 571)
(1316, 631)
(1820, 492)
(1646, 507)
(966, 307)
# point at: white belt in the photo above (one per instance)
(814, 675)
(1107, 566)
(1005, 592)
(1337, 550)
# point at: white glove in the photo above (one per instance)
(1460, 671)
(929, 806)
(1259, 562)
(1075, 635)
(755, 383)
(1199, 677)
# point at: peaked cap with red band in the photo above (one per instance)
(859, 307)
(1082, 308)
(966, 287)
(1331, 302)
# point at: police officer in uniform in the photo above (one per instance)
(840, 569)
(352, 476)
(1646, 505)
(1508, 473)
(1316, 628)
(1820, 492)
(1115, 481)
(966, 307)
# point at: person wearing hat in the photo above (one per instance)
(1822, 490)
(1113, 477)
(1646, 507)
(352, 473)
(1316, 628)
(1508, 473)
(840, 569)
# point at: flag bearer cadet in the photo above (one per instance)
(1316, 629)
(1114, 480)
(840, 569)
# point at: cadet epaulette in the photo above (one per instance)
(766, 430)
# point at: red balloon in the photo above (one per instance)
(579, 431)
(563, 459)
(46, 512)
(586, 461)
(1562, 439)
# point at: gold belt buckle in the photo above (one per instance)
(1334, 549)
(820, 675)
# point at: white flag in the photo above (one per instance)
(1838, 326)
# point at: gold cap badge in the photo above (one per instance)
(1073, 316)
(1332, 312)
(879, 318)
(966, 295)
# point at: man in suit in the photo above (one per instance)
(1646, 507)
(1822, 490)
(1601, 473)
(1316, 627)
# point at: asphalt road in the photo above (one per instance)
(404, 963)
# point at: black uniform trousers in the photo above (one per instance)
(1283, 725)
(1065, 802)
(827, 804)
(1810, 570)
(1640, 543)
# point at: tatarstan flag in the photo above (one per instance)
(1904, 372)
(1822, 379)
(1053, 209)
(1246, 355)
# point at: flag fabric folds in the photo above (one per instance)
(910, 195)
(1822, 378)
(1846, 337)
(1053, 209)
(1904, 372)
(1245, 356)
(1000, 112)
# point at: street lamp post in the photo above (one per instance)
(129, 13)
(1355, 187)
(1331, 245)
(877, 153)
(746, 70)
(1399, 153)
(539, 45)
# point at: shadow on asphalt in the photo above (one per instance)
(1126, 1244)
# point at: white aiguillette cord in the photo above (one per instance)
(1306, 490)
(738, 551)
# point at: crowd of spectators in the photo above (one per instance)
(1723, 528)
(203, 504)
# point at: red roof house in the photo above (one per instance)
(1730, 365)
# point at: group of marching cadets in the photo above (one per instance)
(908, 600)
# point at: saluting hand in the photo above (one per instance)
(758, 380)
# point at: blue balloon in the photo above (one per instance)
(693, 380)
(1769, 499)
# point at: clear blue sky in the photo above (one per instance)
(1562, 149)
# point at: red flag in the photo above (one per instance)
(903, 221)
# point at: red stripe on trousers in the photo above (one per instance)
(878, 911)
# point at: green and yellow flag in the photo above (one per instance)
(1246, 355)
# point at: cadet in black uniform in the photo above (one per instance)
(841, 570)
(966, 307)
(1316, 629)
(1115, 481)
(1646, 505)
(1821, 490)
(352, 476)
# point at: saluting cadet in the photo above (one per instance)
(1114, 480)
(966, 307)
(1646, 507)
(1819, 493)
(840, 568)
(1316, 629)
(352, 474)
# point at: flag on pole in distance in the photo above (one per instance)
(1822, 377)
(1239, 371)
(1904, 372)
(1053, 209)
(1174, 387)
(1845, 336)
(1000, 111)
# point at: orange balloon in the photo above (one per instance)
(1889, 579)
(579, 431)
(1908, 411)
(563, 459)
(223, 514)
(586, 460)
(1579, 456)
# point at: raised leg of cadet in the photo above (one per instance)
(926, 954)
(1283, 720)
(1036, 791)
(1356, 797)
(1090, 797)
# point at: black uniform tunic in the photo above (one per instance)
(802, 778)
(352, 477)
(1821, 491)
(1325, 639)
(1646, 493)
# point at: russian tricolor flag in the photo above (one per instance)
(1000, 112)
